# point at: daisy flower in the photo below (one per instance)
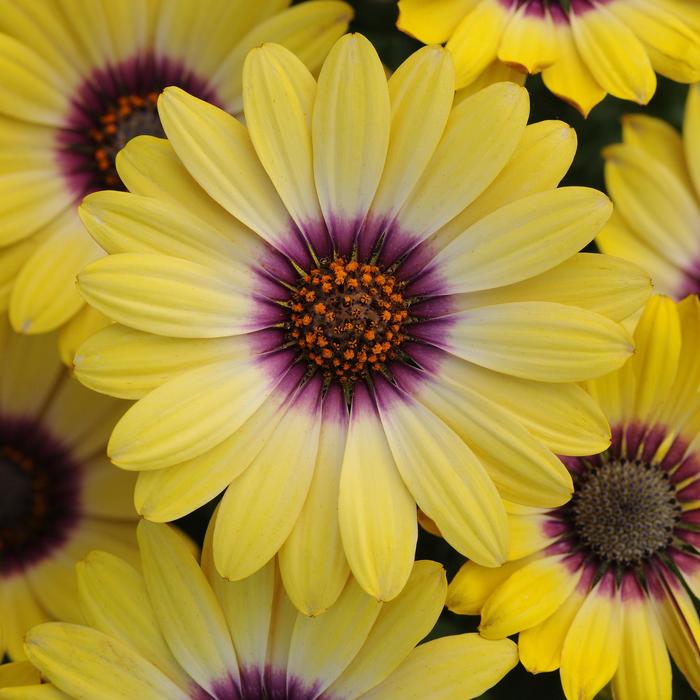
(584, 49)
(78, 81)
(653, 177)
(60, 497)
(601, 587)
(182, 632)
(362, 301)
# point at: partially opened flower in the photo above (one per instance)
(653, 177)
(78, 81)
(59, 495)
(363, 301)
(179, 632)
(604, 585)
(584, 49)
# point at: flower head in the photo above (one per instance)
(181, 631)
(584, 49)
(654, 180)
(78, 83)
(59, 495)
(602, 586)
(364, 300)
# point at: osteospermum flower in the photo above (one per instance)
(180, 631)
(59, 495)
(654, 179)
(78, 81)
(364, 300)
(599, 587)
(585, 49)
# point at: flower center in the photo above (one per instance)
(347, 319)
(39, 494)
(625, 511)
(131, 115)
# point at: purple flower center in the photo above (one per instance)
(113, 105)
(39, 494)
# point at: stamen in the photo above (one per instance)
(347, 319)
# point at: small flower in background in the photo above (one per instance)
(181, 632)
(365, 300)
(654, 180)
(600, 587)
(78, 81)
(584, 49)
(59, 495)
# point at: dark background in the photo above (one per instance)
(376, 20)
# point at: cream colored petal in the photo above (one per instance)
(167, 426)
(377, 512)
(186, 608)
(260, 507)
(78, 659)
(447, 481)
(350, 131)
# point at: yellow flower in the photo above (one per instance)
(180, 631)
(59, 495)
(597, 587)
(78, 81)
(654, 180)
(584, 49)
(362, 301)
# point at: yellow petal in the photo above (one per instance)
(79, 659)
(405, 621)
(348, 160)
(248, 605)
(169, 426)
(691, 135)
(322, 647)
(653, 202)
(12, 260)
(114, 600)
(459, 666)
(540, 161)
(592, 647)
(609, 286)
(448, 482)
(655, 362)
(421, 91)
(481, 135)
(162, 495)
(672, 45)
(82, 326)
(543, 341)
(260, 507)
(473, 584)
(126, 363)
(540, 646)
(312, 560)
(613, 54)
(217, 151)
(45, 691)
(122, 222)
(186, 608)
(522, 469)
(432, 23)
(569, 77)
(32, 89)
(308, 30)
(20, 611)
(474, 43)
(527, 597)
(376, 511)
(563, 416)
(278, 95)
(523, 239)
(528, 41)
(645, 669)
(167, 296)
(18, 673)
(108, 492)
